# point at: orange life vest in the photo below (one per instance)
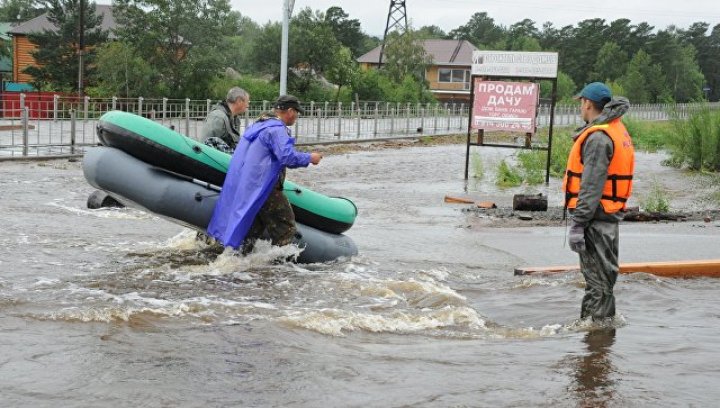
(618, 185)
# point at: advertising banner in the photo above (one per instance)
(515, 64)
(509, 106)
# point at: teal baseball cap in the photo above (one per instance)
(595, 91)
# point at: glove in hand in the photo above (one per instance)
(576, 237)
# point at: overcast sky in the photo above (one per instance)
(449, 14)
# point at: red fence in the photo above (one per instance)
(40, 104)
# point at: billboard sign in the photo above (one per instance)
(515, 64)
(509, 106)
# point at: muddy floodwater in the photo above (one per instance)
(119, 308)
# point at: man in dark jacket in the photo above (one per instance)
(221, 129)
(252, 200)
(597, 184)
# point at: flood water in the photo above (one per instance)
(118, 308)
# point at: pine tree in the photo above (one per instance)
(56, 57)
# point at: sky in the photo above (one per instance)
(449, 14)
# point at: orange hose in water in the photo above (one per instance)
(672, 269)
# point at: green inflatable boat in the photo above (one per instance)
(167, 149)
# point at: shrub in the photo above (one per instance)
(507, 176)
(696, 141)
(259, 89)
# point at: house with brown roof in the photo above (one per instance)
(449, 72)
(23, 48)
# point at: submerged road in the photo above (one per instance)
(115, 307)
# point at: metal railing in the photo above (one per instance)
(68, 125)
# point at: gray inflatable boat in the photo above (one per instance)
(187, 201)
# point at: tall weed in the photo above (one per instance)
(656, 199)
(562, 142)
(508, 176)
(532, 165)
(696, 141)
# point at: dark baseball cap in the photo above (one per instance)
(596, 91)
(285, 102)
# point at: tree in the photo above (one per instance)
(371, 85)
(20, 10)
(549, 37)
(580, 50)
(712, 75)
(431, 32)
(644, 81)
(342, 71)
(313, 45)
(181, 39)
(405, 56)
(56, 57)
(347, 31)
(265, 51)
(708, 52)
(525, 28)
(524, 43)
(239, 46)
(620, 32)
(121, 72)
(481, 30)
(611, 62)
(685, 76)
(566, 88)
(312, 49)
(679, 64)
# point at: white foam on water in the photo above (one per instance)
(264, 253)
(336, 322)
(183, 240)
(527, 283)
(555, 329)
(125, 213)
(44, 282)
(439, 275)
(133, 305)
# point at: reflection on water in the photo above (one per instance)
(593, 372)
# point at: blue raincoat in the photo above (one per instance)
(264, 150)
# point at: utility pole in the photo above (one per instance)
(397, 17)
(287, 12)
(81, 47)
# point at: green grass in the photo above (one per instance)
(508, 176)
(649, 136)
(695, 142)
(532, 166)
(656, 199)
(562, 142)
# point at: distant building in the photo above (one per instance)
(449, 72)
(23, 48)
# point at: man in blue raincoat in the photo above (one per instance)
(252, 199)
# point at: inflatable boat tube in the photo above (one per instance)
(135, 183)
(159, 146)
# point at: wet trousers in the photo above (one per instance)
(599, 266)
(276, 217)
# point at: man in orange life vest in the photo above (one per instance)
(597, 185)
